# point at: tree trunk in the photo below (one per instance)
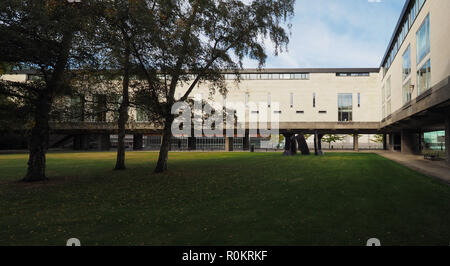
(40, 131)
(161, 166)
(123, 111)
(38, 144)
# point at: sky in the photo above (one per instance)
(337, 33)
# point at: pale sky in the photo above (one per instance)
(337, 33)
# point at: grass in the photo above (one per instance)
(222, 199)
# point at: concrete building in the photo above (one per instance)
(404, 99)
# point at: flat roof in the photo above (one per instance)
(308, 70)
(266, 70)
(396, 30)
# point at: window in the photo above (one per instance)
(407, 62)
(253, 76)
(424, 77)
(292, 99)
(300, 112)
(423, 40)
(141, 116)
(388, 107)
(365, 74)
(285, 76)
(303, 76)
(345, 107)
(322, 112)
(314, 100)
(406, 92)
(388, 88)
(264, 76)
(269, 100)
(277, 112)
(359, 99)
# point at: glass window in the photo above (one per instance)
(388, 107)
(406, 92)
(421, 2)
(345, 107)
(141, 116)
(314, 99)
(292, 99)
(388, 88)
(423, 40)
(264, 76)
(285, 76)
(424, 77)
(407, 62)
(253, 76)
(359, 99)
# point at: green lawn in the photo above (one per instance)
(222, 199)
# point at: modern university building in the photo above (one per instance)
(406, 99)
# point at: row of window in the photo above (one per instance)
(268, 76)
(423, 73)
(291, 99)
(365, 74)
(407, 24)
(345, 107)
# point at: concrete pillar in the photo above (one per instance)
(192, 143)
(385, 147)
(138, 142)
(409, 142)
(246, 141)
(355, 142)
(105, 142)
(229, 143)
(447, 139)
(318, 144)
(81, 142)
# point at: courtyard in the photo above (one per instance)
(221, 198)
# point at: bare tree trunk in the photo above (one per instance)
(38, 144)
(123, 111)
(161, 166)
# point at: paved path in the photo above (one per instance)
(437, 169)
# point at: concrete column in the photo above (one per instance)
(318, 143)
(385, 141)
(138, 141)
(229, 144)
(246, 140)
(447, 139)
(355, 142)
(105, 142)
(192, 143)
(81, 142)
(409, 142)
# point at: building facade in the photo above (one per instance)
(406, 99)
